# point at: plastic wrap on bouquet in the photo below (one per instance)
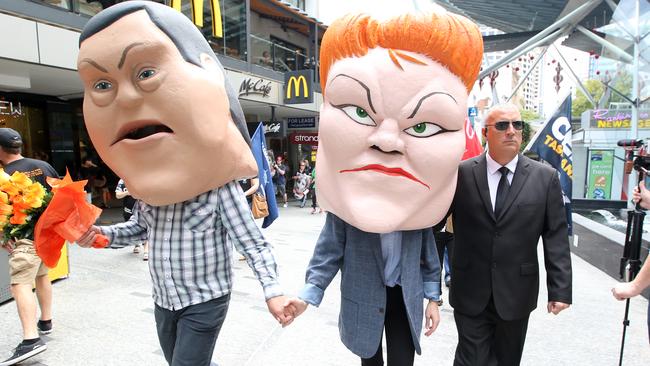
(67, 217)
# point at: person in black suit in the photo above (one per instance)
(504, 203)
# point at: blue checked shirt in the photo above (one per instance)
(190, 255)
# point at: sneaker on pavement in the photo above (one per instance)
(136, 249)
(285, 205)
(145, 256)
(25, 351)
(44, 327)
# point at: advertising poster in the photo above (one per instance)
(601, 167)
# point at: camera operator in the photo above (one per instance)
(626, 290)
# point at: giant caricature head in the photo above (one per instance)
(157, 106)
(391, 125)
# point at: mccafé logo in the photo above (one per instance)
(197, 14)
(298, 87)
(260, 87)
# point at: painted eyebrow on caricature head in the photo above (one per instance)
(126, 50)
(122, 58)
(425, 97)
(362, 85)
(95, 64)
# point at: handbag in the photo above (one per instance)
(259, 207)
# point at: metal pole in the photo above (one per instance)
(581, 11)
(635, 91)
(603, 42)
(539, 58)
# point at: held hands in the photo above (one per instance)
(625, 290)
(295, 306)
(87, 239)
(641, 194)
(432, 317)
(279, 311)
(555, 307)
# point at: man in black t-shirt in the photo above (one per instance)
(25, 266)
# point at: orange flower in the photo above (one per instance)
(19, 218)
(10, 189)
(21, 180)
(33, 195)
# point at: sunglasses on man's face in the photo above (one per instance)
(503, 125)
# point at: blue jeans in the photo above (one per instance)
(187, 336)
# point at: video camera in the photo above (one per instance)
(639, 161)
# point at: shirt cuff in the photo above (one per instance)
(109, 233)
(432, 291)
(273, 290)
(311, 294)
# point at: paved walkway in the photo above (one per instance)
(104, 315)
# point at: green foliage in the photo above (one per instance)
(525, 135)
(580, 103)
(527, 116)
(623, 84)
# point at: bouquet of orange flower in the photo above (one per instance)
(27, 209)
(21, 204)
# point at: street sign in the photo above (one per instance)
(301, 122)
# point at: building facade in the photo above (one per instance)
(264, 45)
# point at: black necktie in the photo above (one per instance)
(502, 191)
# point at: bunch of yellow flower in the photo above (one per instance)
(21, 204)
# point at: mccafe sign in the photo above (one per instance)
(255, 86)
(304, 138)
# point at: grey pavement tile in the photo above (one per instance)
(141, 294)
(260, 308)
(240, 293)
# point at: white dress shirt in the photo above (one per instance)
(494, 175)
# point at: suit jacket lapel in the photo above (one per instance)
(480, 177)
(518, 182)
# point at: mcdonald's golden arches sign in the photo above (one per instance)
(298, 87)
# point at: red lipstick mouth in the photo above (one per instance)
(388, 171)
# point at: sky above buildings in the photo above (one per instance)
(332, 9)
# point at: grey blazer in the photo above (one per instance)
(363, 292)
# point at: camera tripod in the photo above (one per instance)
(630, 262)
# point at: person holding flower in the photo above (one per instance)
(26, 268)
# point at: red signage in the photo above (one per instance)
(304, 138)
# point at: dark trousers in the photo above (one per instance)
(187, 336)
(444, 240)
(486, 339)
(314, 204)
(399, 341)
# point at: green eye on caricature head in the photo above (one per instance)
(357, 114)
(424, 129)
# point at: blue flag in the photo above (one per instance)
(553, 144)
(266, 184)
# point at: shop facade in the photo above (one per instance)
(598, 162)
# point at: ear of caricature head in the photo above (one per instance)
(176, 133)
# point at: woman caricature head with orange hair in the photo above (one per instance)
(391, 124)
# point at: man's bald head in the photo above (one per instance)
(496, 113)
